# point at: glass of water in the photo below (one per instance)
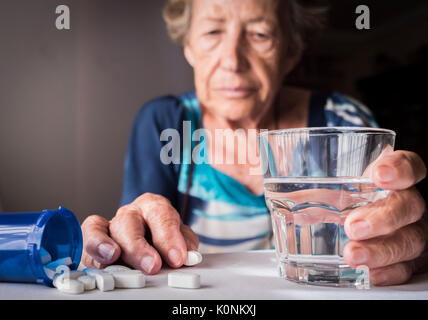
(313, 179)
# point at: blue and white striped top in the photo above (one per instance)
(220, 210)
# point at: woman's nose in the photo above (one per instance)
(234, 55)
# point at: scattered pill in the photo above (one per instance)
(60, 262)
(114, 276)
(89, 282)
(67, 275)
(51, 273)
(193, 258)
(66, 282)
(45, 256)
(116, 268)
(70, 286)
(184, 280)
(130, 279)
(104, 280)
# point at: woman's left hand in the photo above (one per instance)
(390, 235)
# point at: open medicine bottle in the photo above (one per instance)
(22, 235)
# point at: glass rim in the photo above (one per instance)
(326, 131)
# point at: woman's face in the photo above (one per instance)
(237, 51)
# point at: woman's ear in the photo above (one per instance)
(188, 54)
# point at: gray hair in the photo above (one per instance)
(303, 22)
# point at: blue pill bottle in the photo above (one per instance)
(22, 235)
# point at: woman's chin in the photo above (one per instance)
(233, 110)
(235, 113)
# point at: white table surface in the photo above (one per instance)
(232, 276)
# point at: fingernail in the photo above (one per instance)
(106, 251)
(385, 174)
(359, 256)
(174, 256)
(147, 263)
(360, 229)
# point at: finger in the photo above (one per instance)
(164, 223)
(387, 150)
(399, 171)
(191, 238)
(403, 245)
(398, 209)
(129, 230)
(89, 262)
(395, 274)
(98, 248)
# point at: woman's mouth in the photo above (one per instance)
(236, 92)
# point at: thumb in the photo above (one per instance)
(98, 248)
(399, 170)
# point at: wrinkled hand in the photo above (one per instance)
(390, 235)
(141, 234)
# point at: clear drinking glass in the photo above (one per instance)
(313, 178)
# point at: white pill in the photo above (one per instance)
(67, 275)
(193, 258)
(51, 273)
(89, 282)
(130, 279)
(104, 280)
(66, 282)
(70, 286)
(60, 262)
(116, 268)
(45, 256)
(184, 280)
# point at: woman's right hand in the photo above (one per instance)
(142, 234)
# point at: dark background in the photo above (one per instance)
(385, 67)
(68, 98)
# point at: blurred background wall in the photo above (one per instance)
(68, 98)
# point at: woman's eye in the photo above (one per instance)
(260, 36)
(213, 32)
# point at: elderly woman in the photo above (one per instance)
(241, 52)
